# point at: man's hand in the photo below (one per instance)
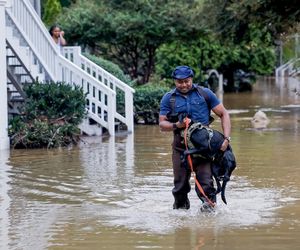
(180, 124)
(183, 120)
(224, 145)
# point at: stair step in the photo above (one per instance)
(15, 65)
(20, 99)
(14, 112)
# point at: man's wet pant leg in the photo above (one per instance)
(205, 178)
(181, 182)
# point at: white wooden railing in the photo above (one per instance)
(288, 67)
(35, 34)
(101, 99)
(109, 80)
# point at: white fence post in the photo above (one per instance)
(76, 56)
(4, 139)
(220, 87)
(129, 111)
(111, 99)
(220, 90)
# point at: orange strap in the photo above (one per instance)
(189, 158)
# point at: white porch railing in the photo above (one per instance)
(287, 67)
(101, 99)
(109, 80)
(35, 34)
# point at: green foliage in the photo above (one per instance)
(147, 103)
(40, 134)
(131, 32)
(261, 60)
(237, 21)
(148, 37)
(291, 47)
(110, 67)
(232, 19)
(254, 54)
(55, 100)
(82, 24)
(52, 9)
(66, 3)
(51, 115)
(201, 54)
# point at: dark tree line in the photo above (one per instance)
(148, 37)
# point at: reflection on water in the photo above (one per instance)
(115, 193)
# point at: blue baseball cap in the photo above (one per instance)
(182, 72)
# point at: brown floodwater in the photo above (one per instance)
(115, 193)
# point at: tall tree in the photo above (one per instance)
(131, 31)
(52, 9)
(231, 18)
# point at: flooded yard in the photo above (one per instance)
(115, 193)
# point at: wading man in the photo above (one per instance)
(195, 102)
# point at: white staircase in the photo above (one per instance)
(31, 54)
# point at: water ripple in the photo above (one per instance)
(150, 209)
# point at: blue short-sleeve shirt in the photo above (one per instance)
(193, 104)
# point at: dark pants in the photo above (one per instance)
(182, 174)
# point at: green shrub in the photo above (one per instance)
(147, 103)
(52, 9)
(200, 54)
(110, 67)
(50, 117)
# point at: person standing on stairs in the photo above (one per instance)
(58, 36)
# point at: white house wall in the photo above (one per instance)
(4, 139)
